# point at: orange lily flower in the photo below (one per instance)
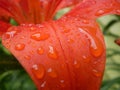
(66, 54)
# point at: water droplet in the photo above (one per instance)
(32, 52)
(27, 57)
(22, 37)
(92, 42)
(86, 59)
(97, 73)
(96, 46)
(66, 30)
(97, 51)
(85, 21)
(62, 83)
(39, 25)
(20, 46)
(10, 34)
(32, 29)
(40, 50)
(38, 70)
(76, 64)
(23, 24)
(43, 84)
(52, 73)
(70, 40)
(7, 44)
(52, 53)
(30, 25)
(99, 12)
(40, 36)
(118, 11)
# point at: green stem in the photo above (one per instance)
(7, 61)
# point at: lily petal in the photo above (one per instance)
(33, 11)
(67, 54)
(14, 10)
(95, 9)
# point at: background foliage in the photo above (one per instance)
(13, 77)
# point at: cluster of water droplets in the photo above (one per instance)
(40, 72)
(95, 48)
(38, 69)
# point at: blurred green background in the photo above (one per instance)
(13, 77)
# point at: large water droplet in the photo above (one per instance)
(38, 71)
(40, 36)
(10, 34)
(96, 48)
(52, 53)
(97, 51)
(40, 50)
(52, 73)
(19, 46)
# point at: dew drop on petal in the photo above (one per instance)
(40, 36)
(66, 30)
(52, 53)
(30, 25)
(40, 50)
(10, 34)
(76, 64)
(32, 29)
(23, 24)
(85, 21)
(7, 44)
(62, 83)
(70, 40)
(39, 25)
(86, 59)
(22, 37)
(31, 52)
(43, 84)
(52, 73)
(97, 51)
(99, 12)
(38, 71)
(97, 73)
(118, 11)
(19, 46)
(27, 57)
